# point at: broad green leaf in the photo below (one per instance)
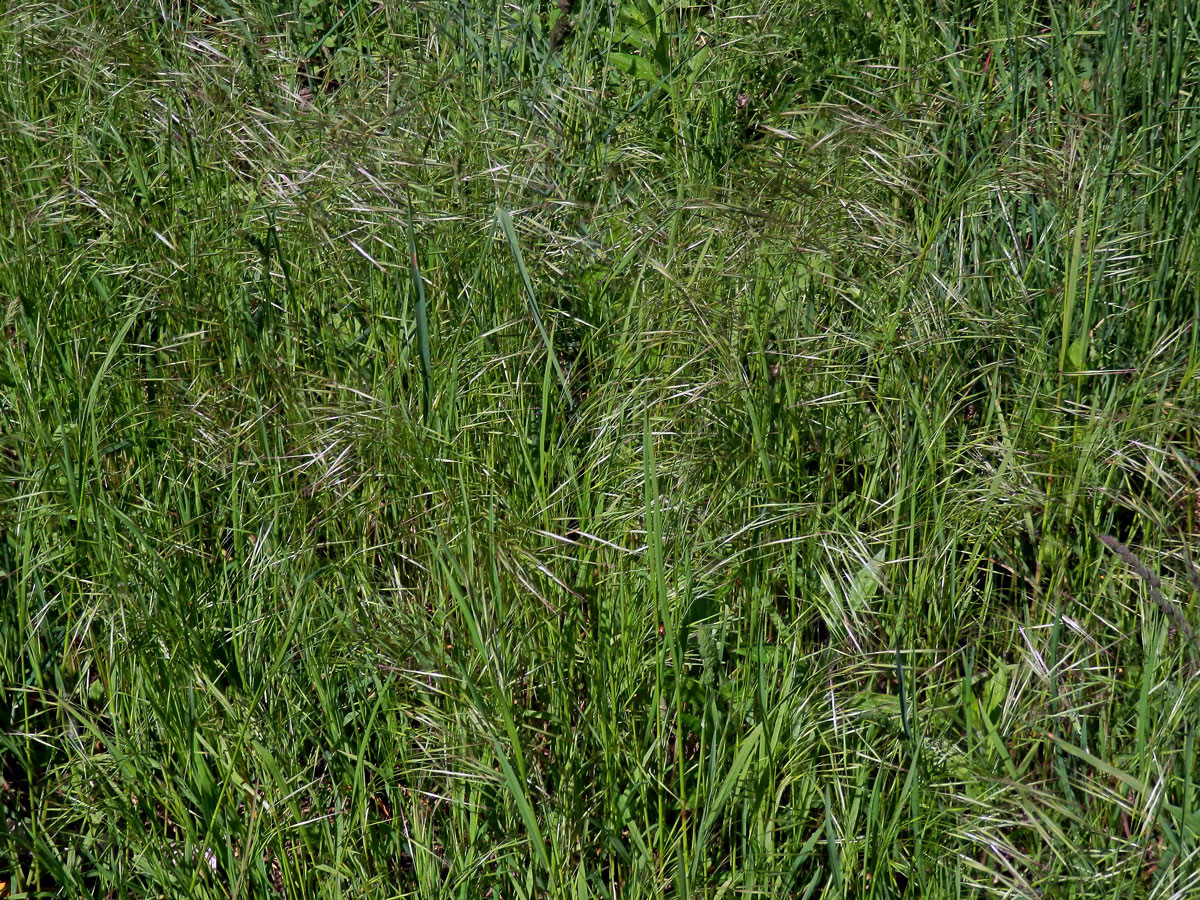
(634, 66)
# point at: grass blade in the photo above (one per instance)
(515, 247)
(422, 319)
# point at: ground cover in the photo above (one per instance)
(584, 450)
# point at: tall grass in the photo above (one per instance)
(712, 450)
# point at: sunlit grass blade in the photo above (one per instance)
(514, 247)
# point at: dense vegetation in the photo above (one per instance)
(640, 449)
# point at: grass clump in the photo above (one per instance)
(582, 450)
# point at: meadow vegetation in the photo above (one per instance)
(634, 449)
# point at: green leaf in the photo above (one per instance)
(1078, 351)
(736, 771)
(517, 790)
(633, 66)
(422, 318)
(515, 247)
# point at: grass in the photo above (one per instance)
(749, 451)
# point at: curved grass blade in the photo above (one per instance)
(511, 234)
(422, 319)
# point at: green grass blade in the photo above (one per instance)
(422, 311)
(515, 247)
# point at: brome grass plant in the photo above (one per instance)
(634, 449)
